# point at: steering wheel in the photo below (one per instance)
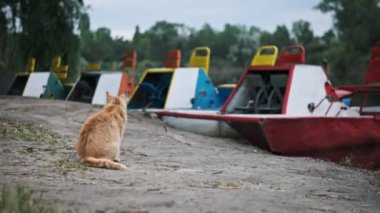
(154, 93)
(149, 89)
(148, 86)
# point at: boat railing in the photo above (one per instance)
(372, 82)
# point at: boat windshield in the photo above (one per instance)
(261, 92)
(84, 90)
(152, 91)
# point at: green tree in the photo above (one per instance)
(225, 39)
(164, 36)
(40, 29)
(281, 37)
(303, 33)
(100, 47)
(357, 22)
(358, 28)
(206, 36)
(245, 46)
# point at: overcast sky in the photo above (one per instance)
(121, 16)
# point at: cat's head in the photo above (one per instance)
(117, 100)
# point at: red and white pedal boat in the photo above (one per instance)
(293, 110)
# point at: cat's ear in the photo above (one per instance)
(109, 97)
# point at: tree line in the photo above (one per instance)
(43, 29)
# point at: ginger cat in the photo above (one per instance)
(101, 134)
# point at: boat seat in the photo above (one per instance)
(30, 65)
(129, 60)
(291, 55)
(60, 70)
(92, 67)
(268, 99)
(200, 57)
(265, 56)
(173, 59)
(265, 99)
(373, 73)
(373, 76)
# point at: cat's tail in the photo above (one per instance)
(102, 163)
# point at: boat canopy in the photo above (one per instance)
(179, 88)
(297, 90)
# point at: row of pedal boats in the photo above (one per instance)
(288, 108)
(279, 103)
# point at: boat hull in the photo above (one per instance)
(178, 119)
(354, 141)
(210, 128)
(349, 140)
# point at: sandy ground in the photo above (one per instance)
(168, 170)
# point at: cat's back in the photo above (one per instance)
(112, 115)
(94, 120)
(115, 112)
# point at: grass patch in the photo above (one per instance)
(22, 200)
(50, 150)
(66, 166)
(26, 132)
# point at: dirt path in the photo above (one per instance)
(168, 171)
